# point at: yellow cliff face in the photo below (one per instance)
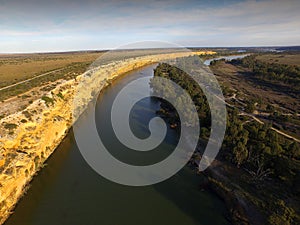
(33, 134)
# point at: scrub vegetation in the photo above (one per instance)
(258, 165)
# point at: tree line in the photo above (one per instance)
(271, 72)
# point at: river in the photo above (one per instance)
(230, 57)
(68, 192)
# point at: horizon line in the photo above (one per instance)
(110, 49)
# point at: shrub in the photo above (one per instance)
(36, 161)
(25, 96)
(48, 100)
(10, 126)
(27, 114)
(23, 121)
(60, 95)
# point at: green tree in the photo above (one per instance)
(240, 153)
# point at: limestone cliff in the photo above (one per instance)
(29, 137)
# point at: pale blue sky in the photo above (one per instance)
(60, 25)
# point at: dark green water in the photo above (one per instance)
(68, 192)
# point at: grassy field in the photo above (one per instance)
(16, 68)
(281, 58)
(19, 67)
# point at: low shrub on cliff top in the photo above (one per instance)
(60, 95)
(10, 126)
(48, 100)
(23, 121)
(27, 114)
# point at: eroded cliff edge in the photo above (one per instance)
(33, 134)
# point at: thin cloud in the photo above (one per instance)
(212, 23)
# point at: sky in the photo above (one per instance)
(65, 25)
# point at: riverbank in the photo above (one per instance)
(219, 179)
(215, 179)
(241, 211)
(33, 134)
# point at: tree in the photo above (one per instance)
(240, 153)
(294, 150)
(281, 214)
(250, 107)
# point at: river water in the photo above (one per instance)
(230, 57)
(68, 192)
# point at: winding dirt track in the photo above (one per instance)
(258, 120)
(272, 128)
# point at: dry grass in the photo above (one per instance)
(281, 58)
(241, 79)
(15, 68)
